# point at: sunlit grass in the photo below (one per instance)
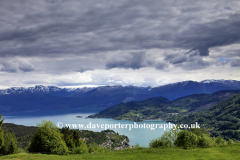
(225, 152)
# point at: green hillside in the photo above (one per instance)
(223, 118)
(24, 135)
(162, 108)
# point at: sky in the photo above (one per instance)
(77, 43)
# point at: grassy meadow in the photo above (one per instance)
(228, 152)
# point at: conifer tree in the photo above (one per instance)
(10, 144)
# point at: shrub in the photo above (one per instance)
(186, 139)
(155, 143)
(47, 139)
(82, 148)
(205, 141)
(137, 146)
(230, 141)
(220, 141)
(160, 142)
(167, 139)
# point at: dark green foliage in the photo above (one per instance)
(159, 142)
(167, 139)
(220, 141)
(10, 144)
(76, 144)
(22, 133)
(186, 139)
(223, 118)
(228, 134)
(204, 140)
(94, 137)
(92, 147)
(71, 138)
(47, 139)
(199, 131)
(82, 148)
(69, 143)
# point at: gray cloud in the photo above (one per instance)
(25, 66)
(219, 32)
(129, 60)
(13, 66)
(235, 63)
(135, 60)
(203, 51)
(161, 65)
(176, 58)
(194, 63)
(79, 27)
(9, 67)
(63, 37)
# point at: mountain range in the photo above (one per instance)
(40, 97)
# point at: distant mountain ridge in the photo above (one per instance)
(36, 89)
(52, 97)
(186, 88)
(180, 89)
(162, 108)
(71, 91)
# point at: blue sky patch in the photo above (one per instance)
(225, 59)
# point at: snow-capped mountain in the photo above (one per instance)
(180, 89)
(38, 89)
(76, 92)
(51, 97)
(222, 81)
(170, 91)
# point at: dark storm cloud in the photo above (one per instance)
(219, 32)
(203, 51)
(50, 29)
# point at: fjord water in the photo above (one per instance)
(139, 136)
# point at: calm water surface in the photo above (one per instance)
(139, 136)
